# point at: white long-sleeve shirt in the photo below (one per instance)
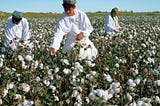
(19, 32)
(111, 24)
(71, 26)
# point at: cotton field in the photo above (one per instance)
(125, 73)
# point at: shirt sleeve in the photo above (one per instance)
(109, 24)
(62, 28)
(25, 31)
(8, 33)
(86, 26)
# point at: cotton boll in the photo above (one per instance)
(46, 82)
(75, 93)
(66, 71)
(25, 87)
(129, 97)
(100, 92)
(56, 69)
(87, 100)
(1, 62)
(131, 83)
(108, 78)
(28, 58)
(1, 102)
(53, 88)
(56, 98)
(18, 96)
(5, 92)
(20, 58)
(10, 85)
(65, 61)
(28, 103)
(92, 96)
(137, 81)
(157, 83)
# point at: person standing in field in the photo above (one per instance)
(76, 27)
(16, 30)
(111, 22)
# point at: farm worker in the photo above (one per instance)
(17, 29)
(76, 27)
(111, 22)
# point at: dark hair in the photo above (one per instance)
(67, 6)
(16, 19)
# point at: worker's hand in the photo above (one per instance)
(52, 51)
(79, 36)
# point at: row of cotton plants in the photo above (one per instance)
(126, 71)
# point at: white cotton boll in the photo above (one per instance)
(87, 100)
(92, 96)
(157, 99)
(18, 96)
(68, 101)
(41, 65)
(137, 81)
(1, 102)
(79, 99)
(90, 64)
(50, 71)
(25, 87)
(100, 92)
(77, 104)
(131, 83)
(89, 76)
(140, 103)
(88, 53)
(129, 97)
(117, 65)
(53, 88)
(75, 93)
(93, 73)
(5, 92)
(143, 45)
(1, 62)
(56, 69)
(36, 64)
(78, 67)
(56, 98)
(151, 60)
(37, 79)
(133, 104)
(20, 58)
(27, 103)
(78, 88)
(157, 83)
(28, 58)
(105, 96)
(75, 73)
(10, 85)
(65, 61)
(108, 78)
(46, 82)
(110, 96)
(24, 65)
(115, 87)
(66, 71)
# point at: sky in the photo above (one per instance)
(55, 6)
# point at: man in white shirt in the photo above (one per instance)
(111, 23)
(76, 26)
(17, 29)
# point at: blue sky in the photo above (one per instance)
(84, 5)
